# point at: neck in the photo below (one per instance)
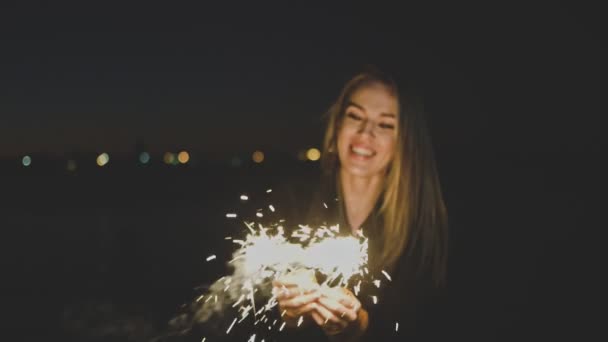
(360, 196)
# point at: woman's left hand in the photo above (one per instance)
(338, 310)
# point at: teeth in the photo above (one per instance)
(362, 151)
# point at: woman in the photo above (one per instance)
(378, 161)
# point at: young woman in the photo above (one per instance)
(379, 167)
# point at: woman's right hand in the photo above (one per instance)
(297, 296)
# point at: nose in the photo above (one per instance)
(367, 126)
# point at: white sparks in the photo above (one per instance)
(377, 283)
(228, 238)
(215, 298)
(199, 298)
(231, 215)
(259, 214)
(231, 325)
(252, 338)
(283, 313)
(300, 320)
(208, 298)
(396, 326)
(203, 340)
(211, 257)
(268, 191)
(282, 326)
(375, 299)
(325, 205)
(238, 301)
(244, 197)
(271, 208)
(386, 275)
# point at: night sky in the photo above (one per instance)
(98, 76)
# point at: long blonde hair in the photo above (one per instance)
(412, 208)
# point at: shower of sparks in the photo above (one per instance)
(244, 197)
(269, 253)
(386, 275)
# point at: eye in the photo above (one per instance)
(386, 126)
(353, 116)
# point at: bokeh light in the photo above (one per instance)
(71, 165)
(144, 157)
(258, 156)
(169, 158)
(183, 157)
(313, 154)
(26, 161)
(103, 159)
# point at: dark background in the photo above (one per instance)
(512, 92)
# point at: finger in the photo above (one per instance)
(329, 317)
(316, 316)
(338, 309)
(298, 301)
(304, 309)
(351, 303)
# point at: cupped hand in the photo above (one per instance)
(338, 310)
(297, 295)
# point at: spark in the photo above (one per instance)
(386, 275)
(375, 299)
(271, 208)
(231, 215)
(268, 191)
(228, 238)
(200, 297)
(252, 338)
(283, 313)
(282, 326)
(396, 326)
(377, 283)
(300, 320)
(203, 340)
(244, 197)
(325, 205)
(211, 257)
(258, 214)
(231, 325)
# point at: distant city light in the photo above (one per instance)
(258, 156)
(103, 159)
(26, 161)
(313, 154)
(71, 166)
(183, 157)
(235, 161)
(144, 157)
(169, 158)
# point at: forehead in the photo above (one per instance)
(375, 99)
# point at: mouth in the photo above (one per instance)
(363, 152)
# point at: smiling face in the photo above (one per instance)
(367, 133)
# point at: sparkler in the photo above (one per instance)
(267, 253)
